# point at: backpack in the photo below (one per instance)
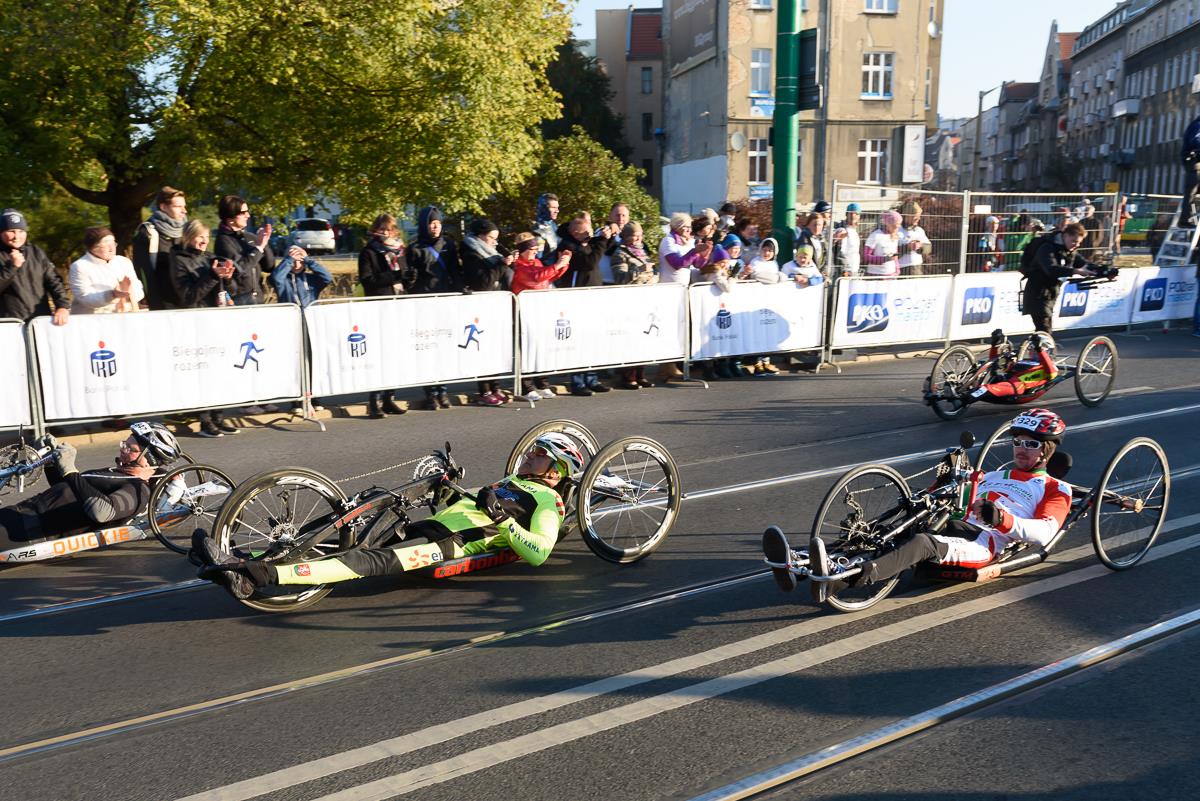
(1027, 268)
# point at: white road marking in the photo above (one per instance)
(482, 758)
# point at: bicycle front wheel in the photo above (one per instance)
(1096, 371)
(283, 516)
(949, 381)
(864, 503)
(188, 496)
(1131, 503)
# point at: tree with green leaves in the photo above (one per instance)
(374, 103)
(586, 92)
(586, 176)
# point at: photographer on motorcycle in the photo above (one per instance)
(523, 512)
(1056, 258)
(77, 502)
(1022, 503)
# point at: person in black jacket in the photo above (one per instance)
(434, 257)
(586, 249)
(198, 280)
(78, 502)
(1056, 258)
(28, 279)
(153, 240)
(384, 271)
(250, 254)
(484, 269)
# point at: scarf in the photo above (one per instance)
(637, 251)
(166, 225)
(390, 254)
(480, 248)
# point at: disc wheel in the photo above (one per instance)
(1131, 503)
(949, 381)
(1096, 371)
(995, 453)
(272, 517)
(185, 498)
(864, 503)
(587, 444)
(629, 498)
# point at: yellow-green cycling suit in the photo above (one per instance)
(531, 530)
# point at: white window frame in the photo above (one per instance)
(928, 86)
(760, 5)
(881, 6)
(647, 85)
(799, 161)
(760, 72)
(756, 153)
(878, 70)
(872, 161)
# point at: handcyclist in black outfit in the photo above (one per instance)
(77, 502)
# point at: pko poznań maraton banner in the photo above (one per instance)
(14, 400)
(566, 329)
(102, 365)
(381, 343)
(883, 311)
(1164, 293)
(755, 318)
(984, 302)
(1106, 303)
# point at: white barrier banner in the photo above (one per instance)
(14, 400)
(984, 302)
(565, 329)
(755, 318)
(370, 343)
(1106, 303)
(104, 365)
(1164, 293)
(883, 311)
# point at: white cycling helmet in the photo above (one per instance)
(563, 450)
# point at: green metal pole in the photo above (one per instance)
(786, 125)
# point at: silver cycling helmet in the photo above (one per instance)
(158, 444)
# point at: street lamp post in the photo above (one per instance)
(979, 132)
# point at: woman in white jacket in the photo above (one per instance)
(101, 281)
(680, 256)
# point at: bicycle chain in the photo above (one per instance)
(380, 470)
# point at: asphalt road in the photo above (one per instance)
(400, 686)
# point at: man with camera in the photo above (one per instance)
(1056, 258)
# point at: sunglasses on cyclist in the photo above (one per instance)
(1027, 444)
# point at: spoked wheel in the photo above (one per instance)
(863, 504)
(15, 454)
(949, 381)
(272, 517)
(995, 453)
(1131, 503)
(583, 438)
(185, 498)
(628, 499)
(1096, 371)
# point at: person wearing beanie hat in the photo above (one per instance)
(915, 246)
(883, 246)
(28, 279)
(847, 244)
(812, 233)
(801, 269)
(823, 208)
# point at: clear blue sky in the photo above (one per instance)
(984, 44)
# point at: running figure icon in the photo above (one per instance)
(248, 350)
(471, 330)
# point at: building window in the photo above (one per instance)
(758, 161)
(933, 10)
(647, 80)
(928, 85)
(648, 168)
(761, 4)
(872, 160)
(760, 71)
(877, 76)
(880, 6)
(799, 162)
(647, 126)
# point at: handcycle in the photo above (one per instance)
(959, 378)
(181, 498)
(623, 504)
(870, 506)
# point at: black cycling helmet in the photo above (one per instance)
(159, 445)
(1041, 424)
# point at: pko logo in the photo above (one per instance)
(977, 305)
(1154, 295)
(1074, 301)
(357, 342)
(724, 319)
(562, 327)
(868, 312)
(104, 362)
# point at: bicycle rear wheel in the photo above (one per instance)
(283, 516)
(1096, 371)
(863, 504)
(1131, 503)
(188, 496)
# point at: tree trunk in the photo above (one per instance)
(125, 200)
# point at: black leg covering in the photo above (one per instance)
(920, 547)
